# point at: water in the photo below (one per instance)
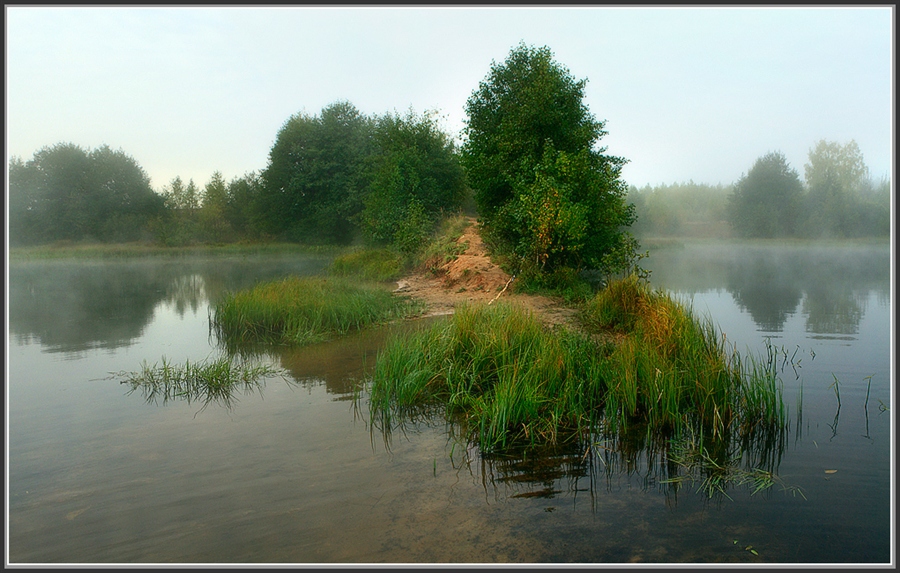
(294, 473)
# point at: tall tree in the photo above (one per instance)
(835, 175)
(414, 174)
(213, 223)
(66, 192)
(766, 202)
(313, 183)
(544, 190)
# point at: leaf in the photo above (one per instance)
(753, 551)
(830, 471)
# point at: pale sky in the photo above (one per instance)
(687, 93)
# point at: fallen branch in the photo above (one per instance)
(504, 288)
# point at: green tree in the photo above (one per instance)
(180, 224)
(213, 223)
(544, 191)
(766, 202)
(681, 209)
(835, 176)
(314, 181)
(242, 208)
(68, 193)
(414, 175)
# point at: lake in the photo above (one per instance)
(293, 472)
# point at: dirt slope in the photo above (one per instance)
(473, 277)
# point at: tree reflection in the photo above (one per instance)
(761, 286)
(72, 307)
(76, 305)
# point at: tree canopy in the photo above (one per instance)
(314, 181)
(839, 198)
(766, 202)
(65, 192)
(414, 175)
(544, 190)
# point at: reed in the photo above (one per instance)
(644, 361)
(671, 368)
(208, 381)
(496, 369)
(298, 311)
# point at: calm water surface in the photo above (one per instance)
(294, 473)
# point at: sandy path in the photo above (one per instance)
(473, 277)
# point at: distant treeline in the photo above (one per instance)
(340, 177)
(331, 178)
(836, 199)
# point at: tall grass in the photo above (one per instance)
(645, 361)
(369, 264)
(208, 381)
(671, 367)
(298, 311)
(496, 369)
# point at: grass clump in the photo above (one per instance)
(380, 265)
(206, 380)
(298, 311)
(671, 369)
(496, 369)
(645, 361)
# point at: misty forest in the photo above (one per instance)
(341, 177)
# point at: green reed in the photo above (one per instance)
(495, 368)
(298, 311)
(208, 381)
(644, 359)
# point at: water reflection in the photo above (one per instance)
(760, 286)
(74, 306)
(828, 285)
(587, 468)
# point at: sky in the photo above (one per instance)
(688, 94)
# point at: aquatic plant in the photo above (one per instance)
(206, 381)
(644, 359)
(671, 367)
(716, 472)
(495, 368)
(299, 311)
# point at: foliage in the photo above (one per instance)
(766, 202)
(369, 264)
(837, 205)
(414, 175)
(332, 176)
(66, 193)
(298, 311)
(839, 199)
(505, 377)
(214, 226)
(680, 209)
(543, 191)
(313, 184)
